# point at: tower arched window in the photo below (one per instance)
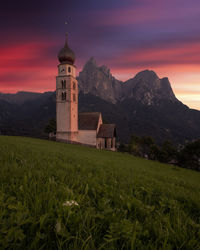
(63, 84)
(63, 96)
(69, 69)
(74, 85)
(74, 97)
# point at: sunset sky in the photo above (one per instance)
(126, 35)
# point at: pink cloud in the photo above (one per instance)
(27, 66)
(32, 66)
(179, 56)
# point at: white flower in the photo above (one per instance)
(70, 203)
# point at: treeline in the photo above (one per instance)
(187, 156)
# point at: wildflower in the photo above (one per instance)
(70, 203)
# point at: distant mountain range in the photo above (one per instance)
(143, 105)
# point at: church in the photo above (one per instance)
(73, 127)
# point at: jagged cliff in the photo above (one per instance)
(99, 82)
(145, 87)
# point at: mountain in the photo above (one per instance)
(20, 97)
(148, 89)
(28, 117)
(145, 87)
(143, 105)
(98, 81)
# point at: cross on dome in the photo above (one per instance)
(66, 55)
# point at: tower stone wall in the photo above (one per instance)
(90, 130)
(66, 98)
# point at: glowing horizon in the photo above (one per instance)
(128, 37)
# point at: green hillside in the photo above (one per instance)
(59, 196)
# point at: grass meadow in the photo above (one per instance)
(59, 196)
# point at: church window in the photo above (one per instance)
(63, 84)
(74, 86)
(74, 97)
(69, 69)
(63, 96)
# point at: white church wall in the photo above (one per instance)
(87, 137)
(99, 123)
(67, 136)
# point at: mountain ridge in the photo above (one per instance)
(143, 105)
(145, 86)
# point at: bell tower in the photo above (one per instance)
(66, 96)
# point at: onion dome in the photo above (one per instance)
(66, 55)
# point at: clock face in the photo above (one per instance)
(62, 70)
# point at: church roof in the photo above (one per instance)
(107, 131)
(88, 120)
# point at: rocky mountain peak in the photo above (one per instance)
(91, 63)
(146, 87)
(146, 75)
(104, 69)
(98, 80)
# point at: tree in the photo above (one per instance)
(147, 145)
(123, 147)
(143, 146)
(134, 146)
(168, 152)
(190, 156)
(51, 126)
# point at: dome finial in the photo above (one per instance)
(66, 55)
(66, 38)
(66, 33)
